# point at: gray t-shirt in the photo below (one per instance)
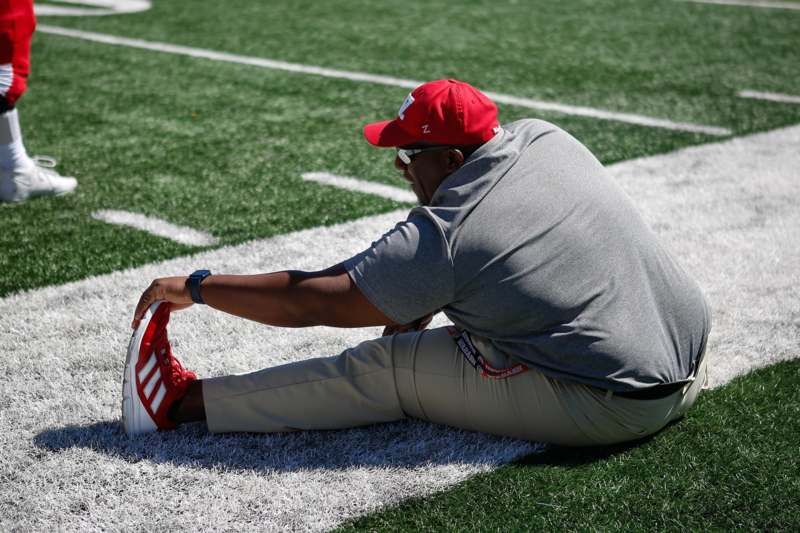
(531, 245)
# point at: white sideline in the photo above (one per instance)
(608, 115)
(748, 3)
(101, 8)
(368, 187)
(772, 97)
(156, 226)
(379, 79)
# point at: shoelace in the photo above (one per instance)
(44, 161)
(178, 374)
(45, 172)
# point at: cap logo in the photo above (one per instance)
(426, 128)
(406, 103)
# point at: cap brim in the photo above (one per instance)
(387, 133)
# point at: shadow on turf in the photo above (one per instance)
(564, 456)
(404, 444)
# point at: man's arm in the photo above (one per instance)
(288, 299)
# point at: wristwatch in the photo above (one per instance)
(193, 283)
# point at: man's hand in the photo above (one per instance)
(418, 325)
(171, 290)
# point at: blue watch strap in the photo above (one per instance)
(193, 283)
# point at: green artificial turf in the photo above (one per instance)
(731, 464)
(674, 60)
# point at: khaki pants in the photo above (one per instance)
(423, 375)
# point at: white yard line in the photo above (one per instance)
(379, 79)
(156, 226)
(362, 186)
(749, 3)
(100, 8)
(608, 115)
(772, 97)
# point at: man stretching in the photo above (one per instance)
(572, 324)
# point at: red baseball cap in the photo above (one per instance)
(438, 112)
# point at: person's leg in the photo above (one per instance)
(355, 388)
(13, 155)
(435, 383)
(17, 23)
(190, 408)
(417, 374)
(16, 28)
(21, 177)
(423, 375)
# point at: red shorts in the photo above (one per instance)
(17, 23)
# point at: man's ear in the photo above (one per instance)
(455, 158)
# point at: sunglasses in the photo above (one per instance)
(405, 154)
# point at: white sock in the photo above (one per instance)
(12, 152)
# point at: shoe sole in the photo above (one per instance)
(15, 199)
(135, 418)
(18, 201)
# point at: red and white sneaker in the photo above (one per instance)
(153, 377)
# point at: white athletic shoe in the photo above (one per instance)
(39, 180)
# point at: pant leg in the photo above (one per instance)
(352, 389)
(610, 419)
(441, 387)
(418, 374)
(423, 375)
(17, 23)
(435, 383)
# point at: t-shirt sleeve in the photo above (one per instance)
(408, 272)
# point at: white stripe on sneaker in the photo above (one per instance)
(162, 390)
(147, 368)
(151, 383)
